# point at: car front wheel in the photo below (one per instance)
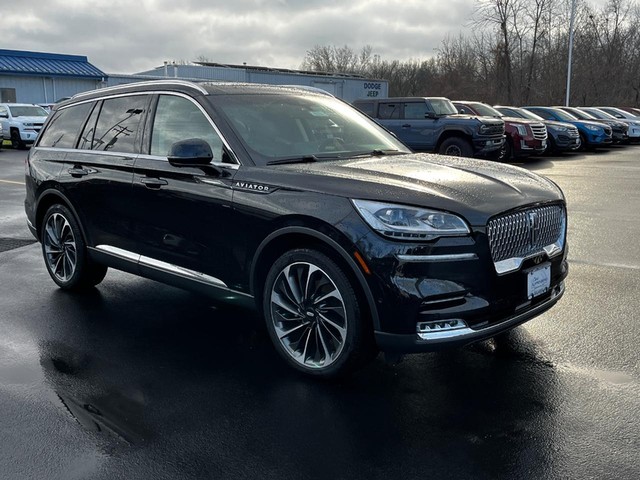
(313, 315)
(65, 252)
(457, 147)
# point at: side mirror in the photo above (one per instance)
(193, 152)
(430, 115)
(4, 115)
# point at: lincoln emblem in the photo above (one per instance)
(534, 227)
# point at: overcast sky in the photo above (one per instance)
(128, 36)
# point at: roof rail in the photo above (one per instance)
(151, 82)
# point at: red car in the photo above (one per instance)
(524, 137)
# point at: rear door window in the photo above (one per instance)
(119, 124)
(63, 129)
(389, 110)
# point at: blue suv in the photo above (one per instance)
(592, 134)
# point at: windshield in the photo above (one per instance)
(600, 114)
(486, 110)
(28, 111)
(579, 114)
(617, 113)
(442, 106)
(562, 115)
(528, 114)
(280, 127)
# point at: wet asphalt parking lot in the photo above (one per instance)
(140, 380)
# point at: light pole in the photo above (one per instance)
(573, 16)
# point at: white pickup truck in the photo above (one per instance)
(21, 123)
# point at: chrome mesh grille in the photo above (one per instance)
(539, 131)
(526, 232)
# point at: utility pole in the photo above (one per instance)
(573, 16)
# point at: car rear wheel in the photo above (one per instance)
(457, 147)
(313, 315)
(65, 252)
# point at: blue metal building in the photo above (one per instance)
(35, 77)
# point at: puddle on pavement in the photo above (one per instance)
(81, 385)
(611, 377)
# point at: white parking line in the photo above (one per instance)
(11, 182)
(605, 264)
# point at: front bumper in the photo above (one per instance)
(414, 343)
(486, 145)
(530, 146)
(451, 280)
(28, 136)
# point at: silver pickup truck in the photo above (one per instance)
(21, 123)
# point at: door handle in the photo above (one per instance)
(78, 172)
(151, 182)
(406, 125)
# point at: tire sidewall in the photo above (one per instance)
(352, 309)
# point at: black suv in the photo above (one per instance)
(294, 203)
(433, 124)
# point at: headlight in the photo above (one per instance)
(593, 128)
(522, 130)
(403, 221)
(560, 129)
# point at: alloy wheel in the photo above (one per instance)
(453, 150)
(308, 315)
(60, 247)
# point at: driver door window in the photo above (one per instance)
(179, 119)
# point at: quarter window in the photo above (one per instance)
(118, 124)
(64, 127)
(177, 119)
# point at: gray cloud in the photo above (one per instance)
(123, 36)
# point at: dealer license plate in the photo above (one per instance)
(538, 281)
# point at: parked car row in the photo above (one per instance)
(436, 124)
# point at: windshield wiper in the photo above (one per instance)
(377, 153)
(304, 159)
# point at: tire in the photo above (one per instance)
(16, 141)
(314, 317)
(456, 146)
(506, 152)
(584, 146)
(65, 252)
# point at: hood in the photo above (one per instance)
(589, 122)
(475, 189)
(553, 123)
(521, 121)
(31, 119)
(465, 117)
